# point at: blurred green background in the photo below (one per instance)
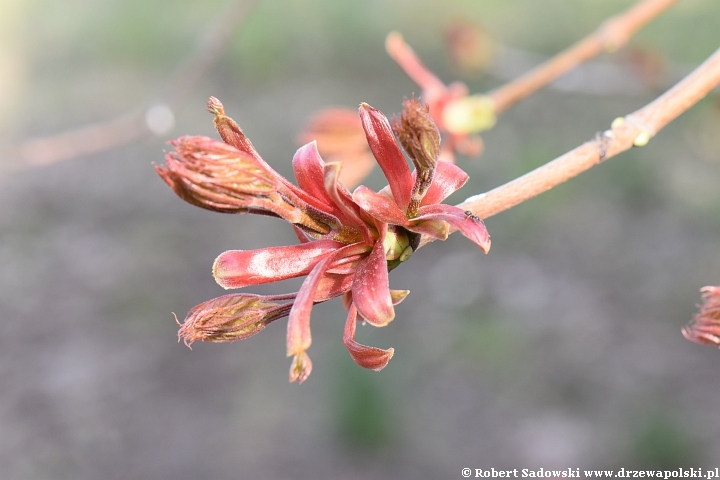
(560, 348)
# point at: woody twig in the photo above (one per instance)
(635, 129)
(126, 128)
(610, 36)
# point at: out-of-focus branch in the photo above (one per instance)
(93, 138)
(636, 71)
(611, 35)
(460, 117)
(158, 115)
(635, 129)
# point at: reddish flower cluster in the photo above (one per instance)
(348, 241)
(704, 328)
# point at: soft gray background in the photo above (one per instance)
(561, 348)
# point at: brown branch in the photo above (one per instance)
(124, 129)
(93, 138)
(635, 129)
(610, 36)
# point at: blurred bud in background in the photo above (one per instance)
(340, 138)
(470, 48)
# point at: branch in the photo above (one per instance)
(611, 35)
(461, 117)
(93, 138)
(635, 129)
(124, 129)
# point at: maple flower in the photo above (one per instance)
(704, 328)
(459, 115)
(348, 242)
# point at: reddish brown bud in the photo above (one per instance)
(218, 177)
(229, 131)
(420, 138)
(214, 175)
(705, 326)
(232, 317)
(418, 134)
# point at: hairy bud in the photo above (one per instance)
(420, 138)
(217, 176)
(418, 134)
(229, 131)
(214, 175)
(232, 317)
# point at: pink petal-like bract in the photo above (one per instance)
(368, 357)
(240, 268)
(342, 198)
(308, 168)
(371, 290)
(298, 328)
(469, 225)
(448, 178)
(382, 143)
(379, 206)
(401, 52)
(300, 368)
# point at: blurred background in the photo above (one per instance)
(560, 348)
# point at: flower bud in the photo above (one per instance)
(214, 175)
(705, 327)
(229, 131)
(232, 317)
(217, 176)
(418, 135)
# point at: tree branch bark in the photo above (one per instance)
(610, 36)
(636, 129)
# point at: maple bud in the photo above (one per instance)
(420, 138)
(219, 177)
(232, 317)
(418, 134)
(214, 175)
(229, 131)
